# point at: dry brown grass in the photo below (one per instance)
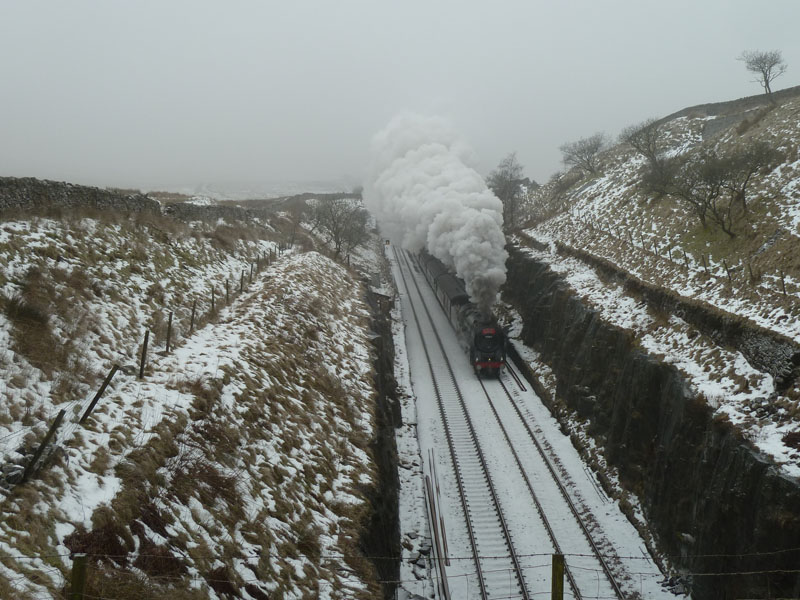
(792, 439)
(109, 581)
(108, 541)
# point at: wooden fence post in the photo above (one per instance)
(750, 269)
(241, 282)
(557, 588)
(724, 264)
(191, 323)
(40, 450)
(144, 354)
(685, 259)
(783, 284)
(169, 331)
(213, 294)
(78, 583)
(227, 292)
(99, 393)
(250, 280)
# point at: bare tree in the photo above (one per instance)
(767, 65)
(714, 186)
(504, 181)
(745, 163)
(584, 153)
(699, 181)
(342, 223)
(646, 138)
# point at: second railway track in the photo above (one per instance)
(491, 534)
(492, 547)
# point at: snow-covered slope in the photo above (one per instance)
(752, 276)
(240, 464)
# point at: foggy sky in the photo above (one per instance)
(149, 93)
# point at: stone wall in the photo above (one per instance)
(28, 194)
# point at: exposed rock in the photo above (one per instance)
(764, 349)
(693, 474)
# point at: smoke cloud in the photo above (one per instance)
(424, 195)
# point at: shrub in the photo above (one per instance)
(792, 439)
(22, 313)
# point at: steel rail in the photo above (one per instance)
(529, 485)
(474, 440)
(448, 436)
(606, 569)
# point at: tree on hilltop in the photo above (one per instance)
(767, 65)
(584, 153)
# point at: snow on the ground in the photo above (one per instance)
(659, 240)
(730, 384)
(243, 454)
(637, 571)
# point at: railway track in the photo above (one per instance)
(588, 573)
(488, 532)
(522, 442)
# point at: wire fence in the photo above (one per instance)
(63, 580)
(740, 275)
(59, 431)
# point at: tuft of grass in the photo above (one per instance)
(108, 541)
(792, 439)
(159, 561)
(23, 313)
(101, 461)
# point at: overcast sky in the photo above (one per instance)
(148, 93)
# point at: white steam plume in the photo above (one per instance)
(425, 196)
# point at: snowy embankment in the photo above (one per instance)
(732, 387)
(239, 464)
(751, 276)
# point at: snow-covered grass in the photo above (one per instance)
(240, 462)
(78, 294)
(661, 242)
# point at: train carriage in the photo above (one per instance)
(481, 334)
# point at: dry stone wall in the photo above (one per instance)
(26, 194)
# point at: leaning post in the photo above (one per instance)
(99, 393)
(144, 354)
(40, 450)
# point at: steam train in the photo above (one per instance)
(482, 335)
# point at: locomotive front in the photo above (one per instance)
(488, 351)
